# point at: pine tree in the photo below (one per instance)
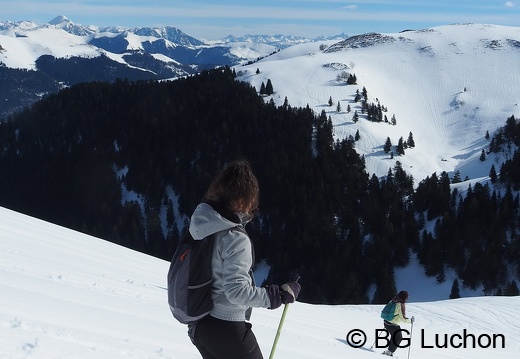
(456, 177)
(421, 220)
(262, 89)
(512, 289)
(257, 70)
(483, 155)
(400, 147)
(355, 118)
(393, 120)
(487, 135)
(338, 108)
(357, 97)
(410, 142)
(269, 87)
(330, 101)
(441, 277)
(493, 174)
(455, 292)
(357, 136)
(388, 145)
(364, 93)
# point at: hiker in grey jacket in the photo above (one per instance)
(228, 206)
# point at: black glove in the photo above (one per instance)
(290, 292)
(273, 292)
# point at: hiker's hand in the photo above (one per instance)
(412, 319)
(290, 292)
(273, 292)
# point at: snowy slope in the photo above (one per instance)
(68, 295)
(447, 85)
(22, 52)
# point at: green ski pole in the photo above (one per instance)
(271, 356)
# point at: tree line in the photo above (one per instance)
(129, 161)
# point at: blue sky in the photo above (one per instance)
(216, 19)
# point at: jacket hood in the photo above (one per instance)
(206, 221)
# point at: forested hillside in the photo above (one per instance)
(129, 161)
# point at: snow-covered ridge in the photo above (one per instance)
(447, 85)
(365, 40)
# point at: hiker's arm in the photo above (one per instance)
(236, 254)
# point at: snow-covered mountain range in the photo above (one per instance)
(446, 85)
(39, 59)
(61, 37)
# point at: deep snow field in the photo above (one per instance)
(64, 294)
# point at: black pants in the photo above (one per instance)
(395, 336)
(221, 339)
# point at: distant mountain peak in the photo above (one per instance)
(59, 19)
(62, 22)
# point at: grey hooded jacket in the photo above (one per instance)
(234, 290)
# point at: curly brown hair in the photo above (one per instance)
(235, 187)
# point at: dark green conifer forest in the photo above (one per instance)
(129, 161)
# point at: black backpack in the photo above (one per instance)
(190, 279)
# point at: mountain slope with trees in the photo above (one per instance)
(128, 162)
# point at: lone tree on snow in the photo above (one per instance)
(410, 142)
(388, 145)
(455, 292)
(483, 155)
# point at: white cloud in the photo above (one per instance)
(350, 7)
(510, 3)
